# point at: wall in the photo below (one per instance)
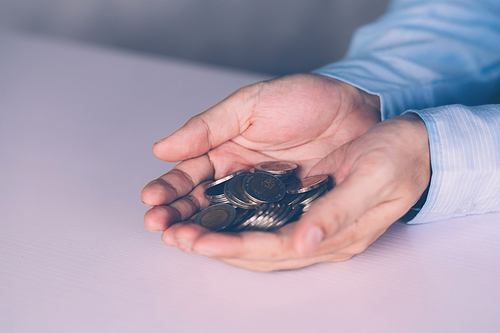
(270, 36)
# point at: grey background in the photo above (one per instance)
(275, 37)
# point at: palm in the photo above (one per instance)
(299, 119)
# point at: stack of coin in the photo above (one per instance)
(264, 200)
(285, 171)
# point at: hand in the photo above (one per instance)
(299, 118)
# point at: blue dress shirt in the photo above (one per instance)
(441, 60)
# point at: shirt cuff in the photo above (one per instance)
(465, 160)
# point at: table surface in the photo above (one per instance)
(76, 128)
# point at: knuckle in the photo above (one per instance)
(194, 202)
(183, 175)
(338, 216)
(161, 184)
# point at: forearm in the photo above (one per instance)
(423, 54)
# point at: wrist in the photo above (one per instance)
(420, 147)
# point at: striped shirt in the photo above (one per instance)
(441, 60)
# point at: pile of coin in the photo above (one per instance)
(263, 200)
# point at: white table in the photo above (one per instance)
(76, 127)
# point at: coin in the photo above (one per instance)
(287, 180)
(224, 179)
(222, 199)
(260, 201)
(241, 216)
(292, 199)
(263, 187)
(291, 215)
(274, 217)
(214, 194)
(276, 167)
(307, 184)
(313, 195)
(216, 217)
(214, 191)
(233, 191)
(247, 222)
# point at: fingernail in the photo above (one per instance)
(184, 244)
(314, 237)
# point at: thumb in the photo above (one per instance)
(209, 129)
(344, 204)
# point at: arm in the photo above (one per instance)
(423, 54)
(426, 53)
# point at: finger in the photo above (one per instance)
(157, 218)
(252, 245)
(209, 129)
(350, 240)
(185, 242)
(177, 182)
(168, 235)
(345, 203)
(161, 217)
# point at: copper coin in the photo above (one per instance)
(307, 184)
(276, 167)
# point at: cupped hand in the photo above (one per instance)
(299, 118)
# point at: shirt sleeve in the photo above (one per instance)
(427, 57)
(426, 53)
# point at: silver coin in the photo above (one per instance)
(224, 179)
(274, 210)
(265, 216)
(241, 216)
(219, 200)
(291, 215)
(233, 191)
(246, 223)
(215, 189)
(272, 218)
(313, 195)
(215, 192)
(216, 198)
(292, 199)
(307, 184)
(277, 218)
(263, 187)
(256, 222)
(216, 217)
